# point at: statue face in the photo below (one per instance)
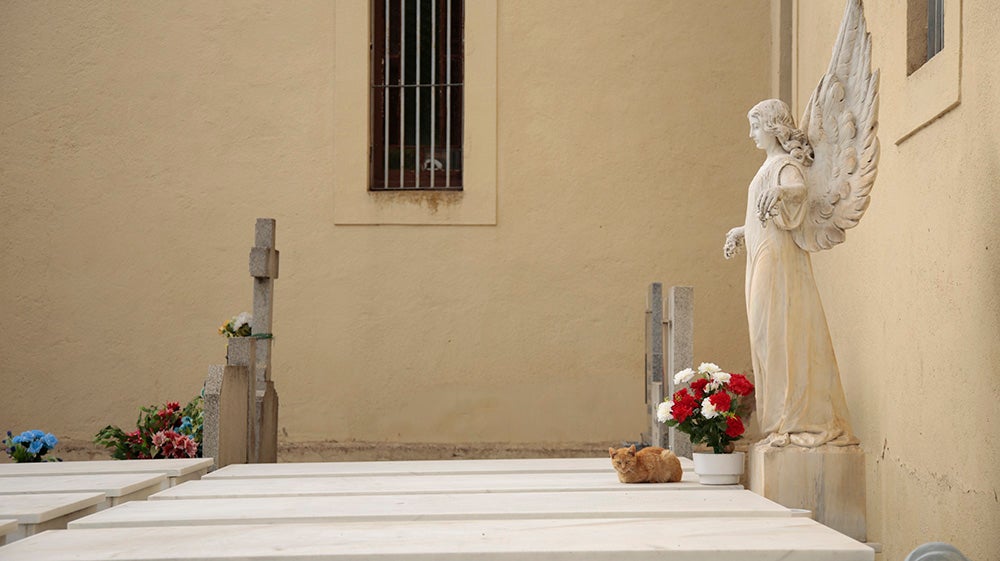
(760, 137)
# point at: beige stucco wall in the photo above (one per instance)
(140, 141)
(912, 295)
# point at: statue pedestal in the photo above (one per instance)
(829, 481)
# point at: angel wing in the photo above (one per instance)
(841, 120)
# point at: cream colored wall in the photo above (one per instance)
(912, 295)
(141, 140)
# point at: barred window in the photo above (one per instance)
(417, 73)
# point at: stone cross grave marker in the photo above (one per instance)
(264, 269)
(241, 404)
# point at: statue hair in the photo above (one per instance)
(775, 118)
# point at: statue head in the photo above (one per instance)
(774, 118)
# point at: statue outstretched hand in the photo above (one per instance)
(734, 243)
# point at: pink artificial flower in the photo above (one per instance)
(186, 447)
(159, 439)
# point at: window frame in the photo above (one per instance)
(932, 90)
(353, 203)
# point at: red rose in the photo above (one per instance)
(681, 411)
(734, 426)
(721, 401)
(739, 384)
(699, 387)
(173, 406)
(683, 398)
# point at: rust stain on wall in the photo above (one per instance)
(433, 200)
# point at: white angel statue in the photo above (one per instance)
(813, 186)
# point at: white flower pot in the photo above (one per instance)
(719, 469)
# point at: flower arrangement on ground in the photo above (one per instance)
(161, 432)
(708, 410)
(237, 326)
(30, 446)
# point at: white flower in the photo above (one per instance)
(718, 379)
(240, 320)
(684, 376)
(708, 368)
(721, 377)
(708, 409)
(663, 411)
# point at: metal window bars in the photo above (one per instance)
(416, 94)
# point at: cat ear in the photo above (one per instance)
(631, 450)
(611, 451)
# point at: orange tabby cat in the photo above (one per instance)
(649, 465)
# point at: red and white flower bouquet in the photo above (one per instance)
(707, 410)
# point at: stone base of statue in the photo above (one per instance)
(828, 480)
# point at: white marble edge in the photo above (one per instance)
(111, 484)
(452, 483)
(719, 539)
(36, 508)
(419, 467)
(545, 505)
(172, 467)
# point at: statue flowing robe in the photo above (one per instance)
(800, 400)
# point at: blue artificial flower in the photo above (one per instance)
(20, 439)
(50, 440)
(36, 447)
(37, 433)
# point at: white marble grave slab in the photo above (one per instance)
(420, 484)
(118, 487)
(178, 470)
(283, 510)
(695, 539)
(38, 512)
(429, 467)
(7, 527)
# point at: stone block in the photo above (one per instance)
(263, 304)
(680, 354)
(263, 367)
(226, 414)
(268, 400)
(654, 363)
(828, 480)
(264, 232)
(263, 262)
(657, 431)
(241, 351)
